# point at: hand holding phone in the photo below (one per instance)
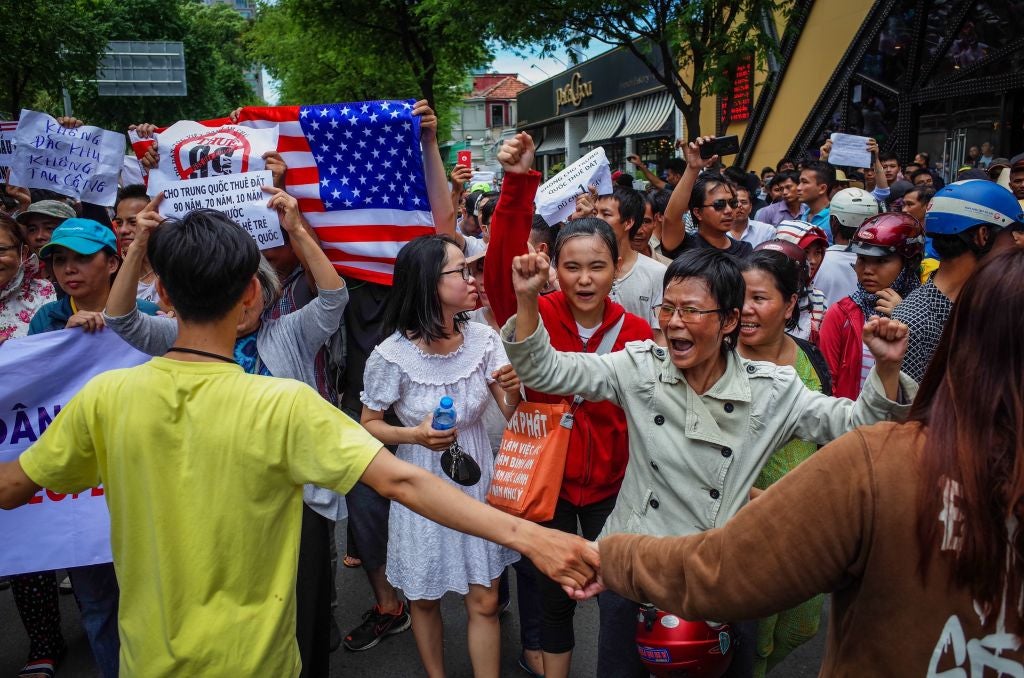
(465, 159)
(720, 146)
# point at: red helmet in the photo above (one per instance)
(889, 233)
(671, 647)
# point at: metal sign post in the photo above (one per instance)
(143, 68)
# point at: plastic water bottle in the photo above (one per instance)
(444, 415)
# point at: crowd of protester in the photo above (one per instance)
(782, 385)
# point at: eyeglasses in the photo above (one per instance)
(687, 314)
(719, 205)
(466, 271)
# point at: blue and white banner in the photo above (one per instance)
(41, 373)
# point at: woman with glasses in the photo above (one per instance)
(712, 203)
(702, 421)
(433, 351)
(21, 295)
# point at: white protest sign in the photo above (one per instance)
(849, 150)
(190, 150)
(556, 198)
(83, 163)
(53, 530)
(131, 171)
(239, 196)
(6, 146)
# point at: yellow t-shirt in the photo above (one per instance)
(203, 467)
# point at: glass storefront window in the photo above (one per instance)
(886, 61)
(988, 27)
(616, 152)
(656, 150)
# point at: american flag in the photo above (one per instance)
(357, 172)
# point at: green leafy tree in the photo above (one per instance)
(692, 47)
(47, 44)
(335, 50)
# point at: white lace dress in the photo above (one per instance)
(427, 560)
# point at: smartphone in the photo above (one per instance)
(720, 146)
(465, 159)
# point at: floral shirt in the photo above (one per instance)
(20, 298)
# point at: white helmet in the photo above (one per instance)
(852, 206)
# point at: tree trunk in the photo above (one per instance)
(691, 119)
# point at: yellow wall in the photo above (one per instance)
(829, 30)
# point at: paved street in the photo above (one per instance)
(394, 658)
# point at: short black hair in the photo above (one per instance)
(205, 261)
(413, 307)
(658, 200)
(787, 274)
(131, 192)
(721, 274)
(954, 245)
(920, 173)
(624, 180)
(705, 184)
(541, 232)
(631, 207)
(784, 161)
(887, 155)
(787, 175)
(924, 193)
(824, 172)
(767, 170)
(677, 165)
(487, 211)
(584, 227)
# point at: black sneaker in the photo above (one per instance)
(376, 625)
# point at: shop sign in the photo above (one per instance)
(574, 92)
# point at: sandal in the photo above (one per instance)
(39, 668)
(351, 561)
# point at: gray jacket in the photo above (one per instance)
(693, 458)
(287, 346)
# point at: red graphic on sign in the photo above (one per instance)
(215, 153)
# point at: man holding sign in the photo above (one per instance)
(191, 449)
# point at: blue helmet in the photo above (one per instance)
(958, 206)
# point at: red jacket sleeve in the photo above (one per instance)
(510, 229)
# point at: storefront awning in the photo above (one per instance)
(554, 140)
(604, 124)
(649, 115)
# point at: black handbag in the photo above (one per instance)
(459, 466)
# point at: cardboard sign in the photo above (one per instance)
(190, 150)
(83, 163)
(53, 530)
(556, 198)
(7, 128)
(240, 197)
(849, 150)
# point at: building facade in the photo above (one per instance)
(487, 116)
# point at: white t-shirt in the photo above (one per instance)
(836, 278)
(474, 246)
(641, 288)
(147, 292)
(586, 333)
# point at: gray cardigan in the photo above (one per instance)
(287, 346)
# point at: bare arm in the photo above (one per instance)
(121, 300)
(656, 181)
(313, 259)
(563, 557)
(423, 434)
(438, 193)
(16, 488)
(673, 232)
(880, 180)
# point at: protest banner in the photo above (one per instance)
(849, 150)
(240, 197)
(556, 198)
(190, 150)
(53, 530)
(83, 162)
(7, 128)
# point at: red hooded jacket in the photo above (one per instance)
(599, 444)
(840, 341)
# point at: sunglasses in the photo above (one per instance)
(720, 204)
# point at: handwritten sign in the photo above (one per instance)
(556, 198)
(190, 150)
(7, 129)
(239, 197)
(83, 163)
(849, 150)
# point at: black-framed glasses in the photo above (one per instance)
(720, 204)
(466, 271)
(687, 314)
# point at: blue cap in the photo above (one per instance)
(446, 403)
(84, 236)
(963, 204)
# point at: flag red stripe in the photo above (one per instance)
(311, 205)
(361, 274)
(372, 233)
(338, 257)
(273, 113)
(301, 175)
(291, 143)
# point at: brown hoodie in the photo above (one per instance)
(843, 522)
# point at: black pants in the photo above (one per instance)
(557, 633)
(313, 586)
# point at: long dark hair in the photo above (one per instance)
(413, 306)
(971, 406)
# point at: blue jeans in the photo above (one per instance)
(97, 594)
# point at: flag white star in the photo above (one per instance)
(329, 136)
(319, 158)
(325, 183)
(401, 200)
(332, 169)
(364, 108)
(369, 167)
(384, 106)
(353, 120)
(348, 134)
(416, 200)
(344, 111)
(351, 168)
(323, 112)
(374, 188)
(348, 203)
(362, 180)
(335, 194)
(387, 128)
(324, 147)
(391, 187)
(392, 152)
(407, 105)
(382, 141)
(404, 162)
(367, 131)
(334, 123)
(314, 125)
(387, 164)
(337, 156)
(375, 153)
(380, 177)
(407, 125)
(373, 117)
(328, 204)
(343, 146)
(357, 155)
(303, 113)
(394, 114)
(384, 200)
(344, 181)
(362, 144)
(355, 192)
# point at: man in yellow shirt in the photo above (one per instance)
(203, 467)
